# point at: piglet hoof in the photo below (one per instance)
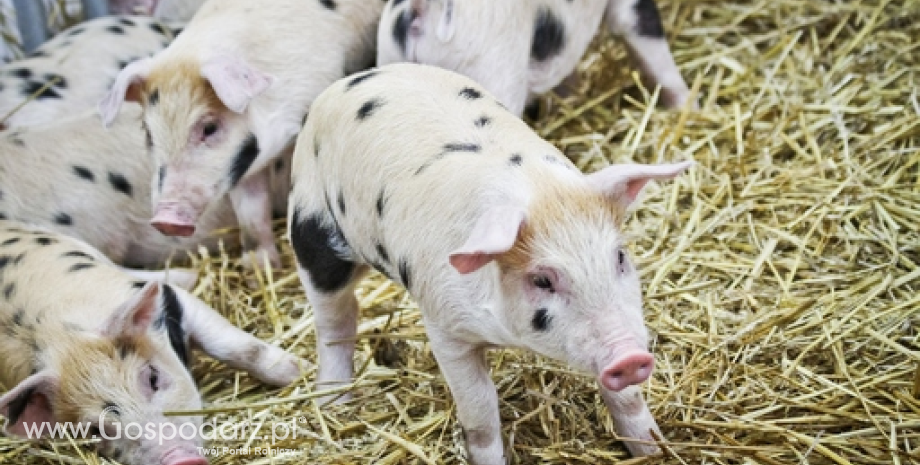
(677, 99)
(638, 449)
(258, 257)
(280, 368)
(182, 277)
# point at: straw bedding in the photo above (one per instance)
(780, 274)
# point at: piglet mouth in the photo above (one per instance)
(182, 456)
(174, 219)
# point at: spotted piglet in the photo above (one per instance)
(72, 71)
(95, 184)
(420, 173)
(517, 49)
(109, 350)
(224, 99)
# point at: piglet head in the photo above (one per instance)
(570, 290)
(196, 127)
(115, 385)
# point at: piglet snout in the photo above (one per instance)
(183, 457)
(172, 219)
(631, 368)
(189, 461)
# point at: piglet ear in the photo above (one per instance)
(127, 87)
(28, 405)
(234, 81)
(495, 232)
(135, 316)
(624, 182)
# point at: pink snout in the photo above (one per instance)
(174, 220)
(189, 461)
(632, 368)
(183, 457)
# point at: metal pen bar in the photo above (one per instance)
(33, 23)
(32, 19)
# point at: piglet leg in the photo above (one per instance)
(639, 23)
(632, 419)
(467, 374)
(252, 203)
(336, 320)
(220, 339)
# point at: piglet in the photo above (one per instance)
(421, 174)
(77, 178)
(109, 350)
(224, 99)
(517, 49)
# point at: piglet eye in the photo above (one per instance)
(542, 282)
(621, 258)
(209, 129)
(154, 379)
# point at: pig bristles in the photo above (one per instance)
(780, 275)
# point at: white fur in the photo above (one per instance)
(452, 186)
(491, 42)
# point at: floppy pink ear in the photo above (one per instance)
(495, 232)
(127, 86)
(28, 405)
(234, 81)
(624, 182)
(135, 316)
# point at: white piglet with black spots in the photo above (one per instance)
(107, 352)
(420, 173)
(230, 93)
(71, 72)
(95, 184)
(517, 49)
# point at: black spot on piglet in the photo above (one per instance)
(360, 78)
(462, 147)
(22, 73)
(405, 273)
(120, 183)
(171, 318)
(330, 4)
(648, 21)
(401, 28)
(63, 219)
(369, 108)
(470, 93)
(80, 266)
(548, 35)
(39, 90)
(245, 156)
(9, 291)
(541, 320)
(312, 239)
(382, 251)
